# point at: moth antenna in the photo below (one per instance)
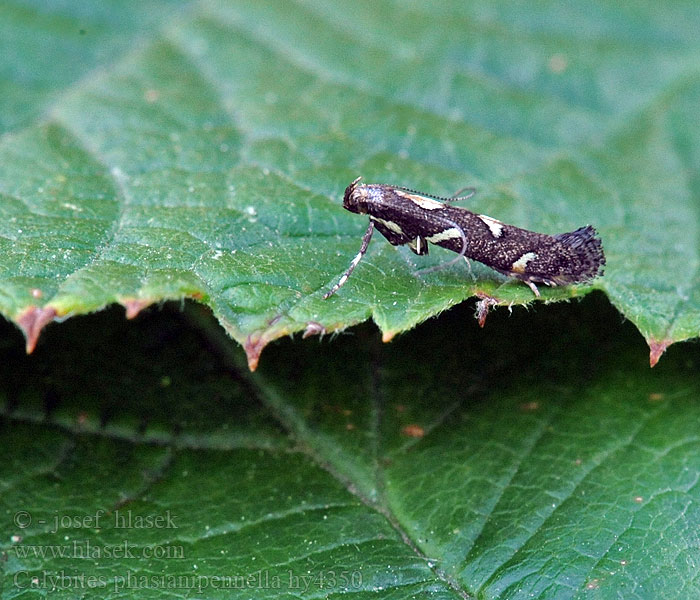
(457, 195)
(449, 263)
(355, 261)
(453, 198)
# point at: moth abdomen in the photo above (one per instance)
(562, 259)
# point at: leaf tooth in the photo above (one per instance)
(253, 347)
(387, 336)
(313, 328)
(656, 349)
(134, 306)
(32, 320)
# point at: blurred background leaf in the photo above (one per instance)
(449, 463)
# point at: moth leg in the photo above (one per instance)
(469, 266)
(418, 245)
(533, 287)
(547, 282)
(355, 261)
(449, 263)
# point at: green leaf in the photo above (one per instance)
(158, 150)
(449, 464)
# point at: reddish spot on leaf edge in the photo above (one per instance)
(483, 306)
(656, 349)
(253, 347)
(134, 306)
(32, 321)
(255, 342)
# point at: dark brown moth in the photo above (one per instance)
(404, 216)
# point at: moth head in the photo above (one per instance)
(355, 199)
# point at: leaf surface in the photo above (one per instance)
(159, 151)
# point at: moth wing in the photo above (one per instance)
(394, 237)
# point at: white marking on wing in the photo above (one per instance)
(422, 201)
(389, 225)
(447, 234)
(494, 225)
(519, 265)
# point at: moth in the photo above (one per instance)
(408, 217)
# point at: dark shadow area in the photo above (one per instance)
(101, 367)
